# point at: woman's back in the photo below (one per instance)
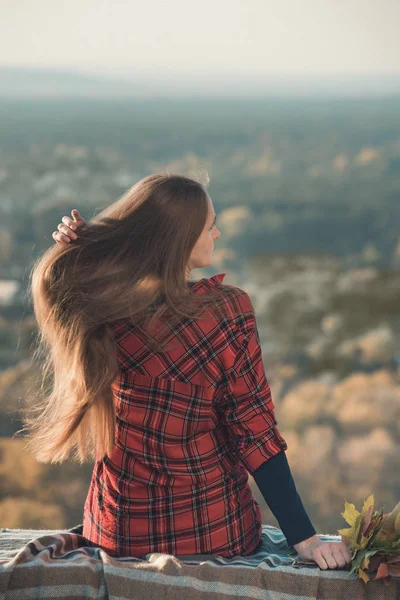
(191, 422)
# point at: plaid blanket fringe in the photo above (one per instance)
(64, 565)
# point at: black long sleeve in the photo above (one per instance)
(276, 484)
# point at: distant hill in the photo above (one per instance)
(17, 82)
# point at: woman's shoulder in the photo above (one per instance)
(235, 302)
(234, 306)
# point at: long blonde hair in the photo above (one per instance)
(129, 263)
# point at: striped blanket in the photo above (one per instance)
(64, 565)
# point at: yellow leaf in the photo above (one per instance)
(356, 530)
(388, 530)
(368, 503)
(363, 575)
(364, 541)
(347, 532)
(397, 524)
(364, 563)
(350, 513)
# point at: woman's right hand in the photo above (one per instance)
(327, 555)
(67, 230)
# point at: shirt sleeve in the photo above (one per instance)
(248, 415)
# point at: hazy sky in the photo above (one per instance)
(210, 36)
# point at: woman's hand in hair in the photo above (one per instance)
(68, 229)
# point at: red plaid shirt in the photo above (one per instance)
(191, 424)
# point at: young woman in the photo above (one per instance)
(160, 380)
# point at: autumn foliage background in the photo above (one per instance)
(307, 198)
